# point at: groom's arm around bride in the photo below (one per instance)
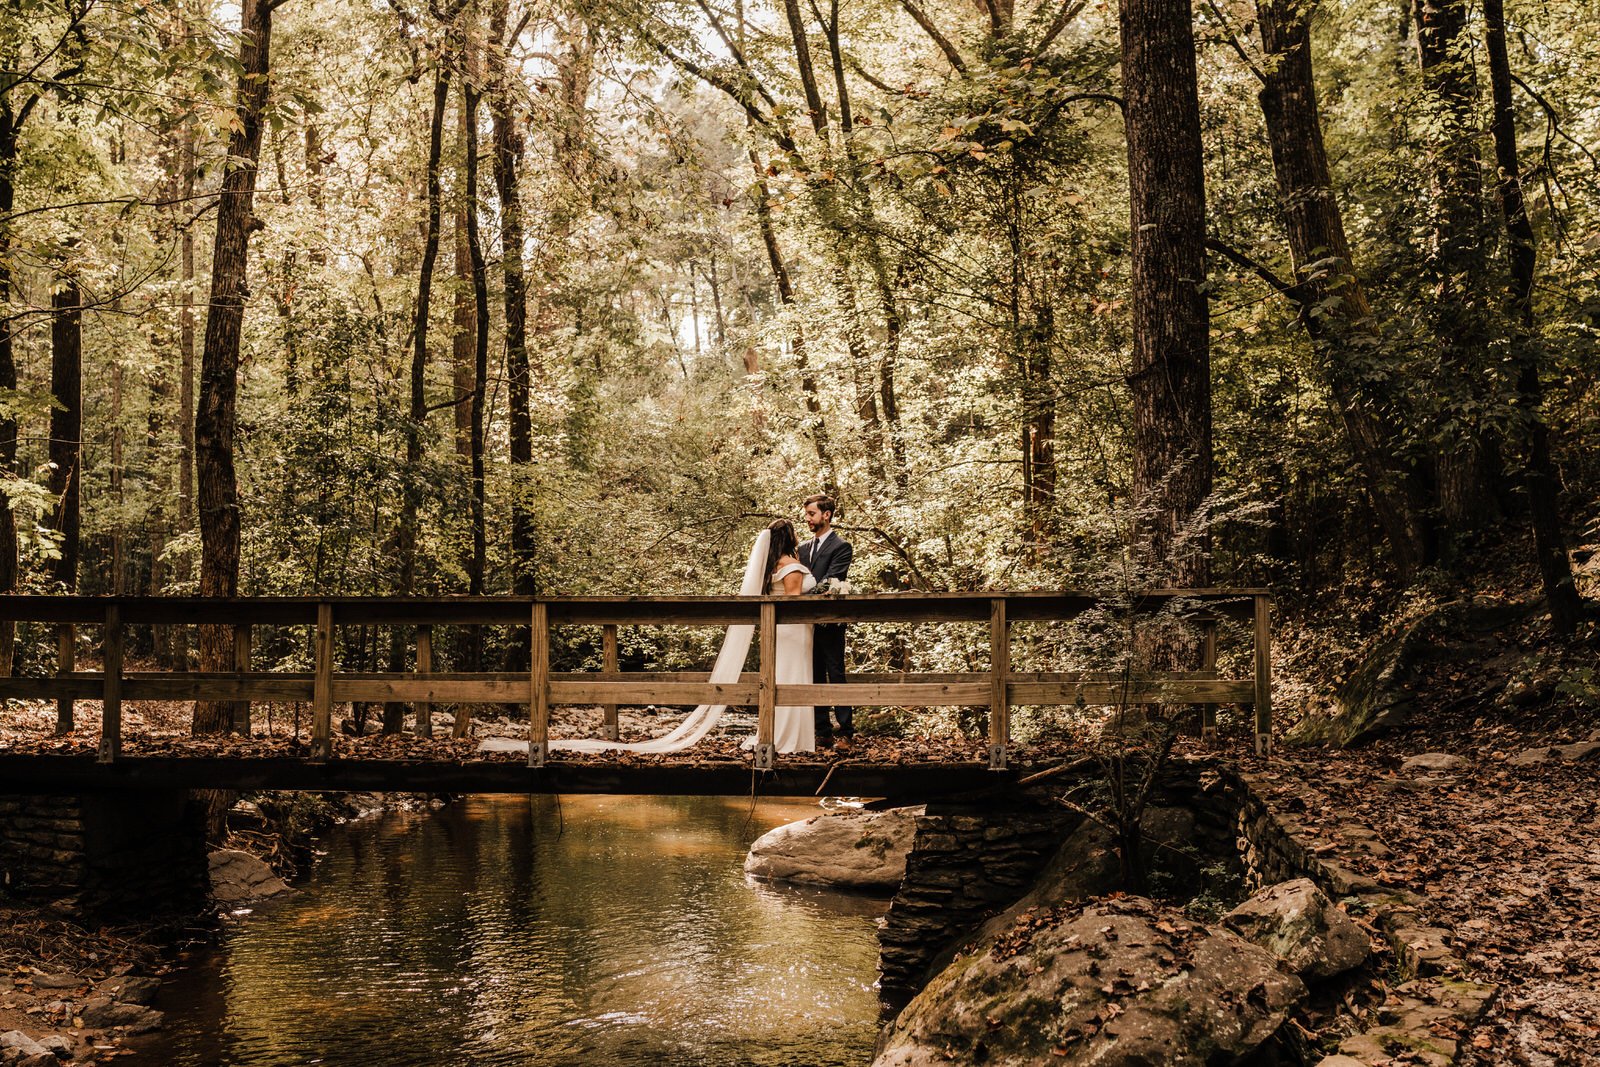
(827, 555)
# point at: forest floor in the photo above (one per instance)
(1505, 849)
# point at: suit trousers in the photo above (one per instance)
(827, 668)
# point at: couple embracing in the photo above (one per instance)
(806, 653)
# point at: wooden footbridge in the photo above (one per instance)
(998, 688)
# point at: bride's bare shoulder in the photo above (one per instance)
(784, 561)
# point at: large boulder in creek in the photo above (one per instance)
(848, 849)
(1296, 922)
(238, 877)
(1121, 983)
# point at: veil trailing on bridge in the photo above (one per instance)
(726, 670)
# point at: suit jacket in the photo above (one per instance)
(833, 561)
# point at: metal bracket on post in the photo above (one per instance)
(766, 757)
(537, 753)
(997, 757)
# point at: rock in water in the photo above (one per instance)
(1123, 983)
(1296, 922)
(851, 849)
(237, 877)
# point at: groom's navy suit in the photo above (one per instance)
(831, 560)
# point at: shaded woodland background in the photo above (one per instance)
(495, 296)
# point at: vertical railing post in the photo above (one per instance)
(999, 678)
(767, 690)
(66, 663)
(322, 686)
(241, 663)
(1263, 656)
(111, 715)
(608, 642)
(423, 709)
(1208, 663)
(539, 697)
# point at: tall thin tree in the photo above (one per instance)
(1539, 478)
(215, 414)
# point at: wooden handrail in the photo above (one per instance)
(999, 687)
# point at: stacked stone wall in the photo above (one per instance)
(104, 856)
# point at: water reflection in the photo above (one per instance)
(600, 930)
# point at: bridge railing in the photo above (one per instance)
(999, 688)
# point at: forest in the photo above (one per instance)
(476, 297)
(573, 297)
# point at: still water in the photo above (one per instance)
(510, 930)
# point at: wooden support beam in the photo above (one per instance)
(608, 655)
(66, 662)
(1208, 666)
(111, 708)
(999, 676)
(322, 686)
(1263, 685)
(766, 757)
(539, 681)
(423, 708)
(241, 663)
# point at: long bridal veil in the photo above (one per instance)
(726, 670)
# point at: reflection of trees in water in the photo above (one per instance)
(592, 929)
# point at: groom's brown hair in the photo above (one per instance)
(823, 501)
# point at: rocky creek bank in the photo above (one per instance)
(72, 991)
(1024, 953)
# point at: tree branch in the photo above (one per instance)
(1255, 267)
(1069, 11)
(932, 31)
(1233, 39)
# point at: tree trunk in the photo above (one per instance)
(1330, 297)
(1456, 263)
(186, 414)
(1539, 474)
(1170, 379)
(219, 361)
(480, 363)
(507, 158)
(66, 425)
(9, 133)
(797, 335)
(410, 505)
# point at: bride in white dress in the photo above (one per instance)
(794, 728)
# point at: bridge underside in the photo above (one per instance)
(45, 774)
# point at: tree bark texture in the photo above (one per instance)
(507, 180)
(66, 425)
(1331, 299)
(186, 320)
(215, 415)
(410, 504)
(1539, 478)
(480, 363)
(1170, 378)
(9, 134)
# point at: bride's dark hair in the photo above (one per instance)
(783, 542)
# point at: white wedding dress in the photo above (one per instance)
(794, 728)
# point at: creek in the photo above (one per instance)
(517, 930)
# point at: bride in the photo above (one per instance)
(773, 568)
(795, 729)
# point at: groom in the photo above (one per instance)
(827, 555)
